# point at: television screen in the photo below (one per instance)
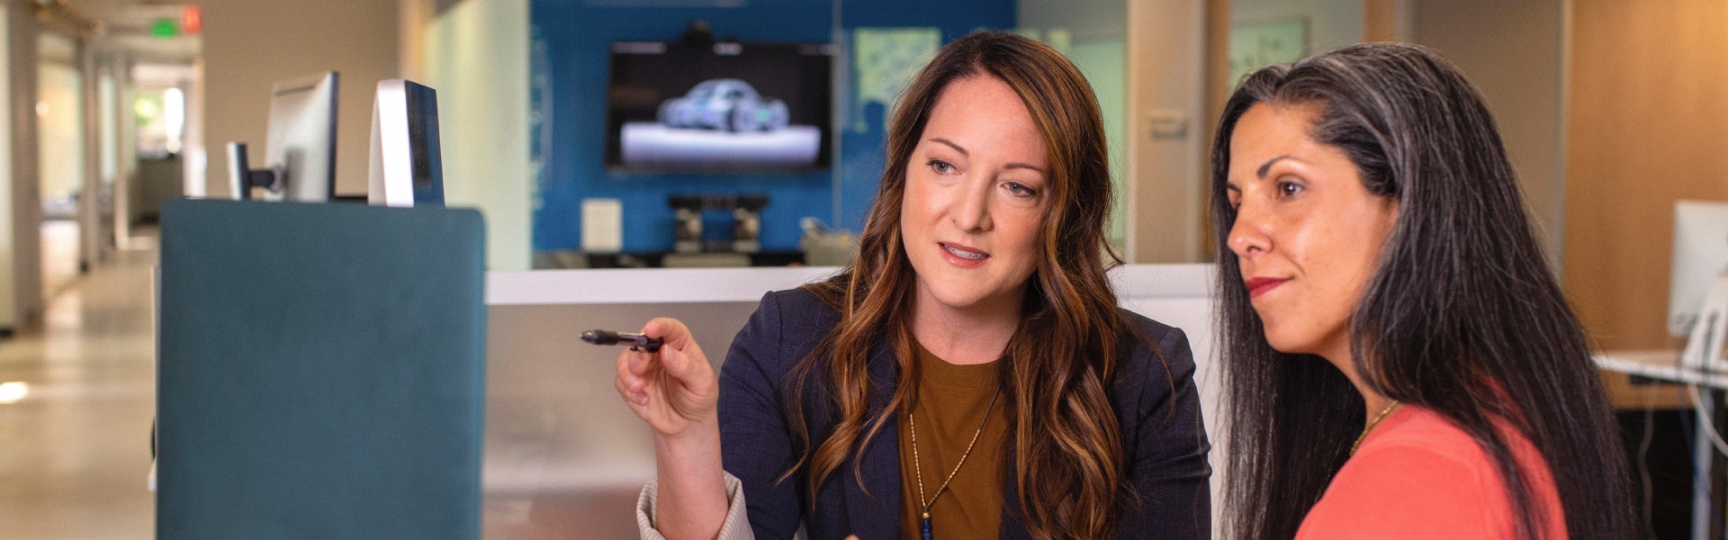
(744, 107)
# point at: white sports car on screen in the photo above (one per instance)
(724, 104)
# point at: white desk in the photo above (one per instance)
(1665, 365)
(1660, 364)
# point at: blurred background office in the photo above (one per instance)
(1612, 110)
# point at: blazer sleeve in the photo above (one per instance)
(1169, 469)
(756, 443)
(735, 527)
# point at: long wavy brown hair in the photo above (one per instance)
(1060, 363)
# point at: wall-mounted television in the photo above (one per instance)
(726, 107)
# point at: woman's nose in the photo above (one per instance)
(971, 210)
(1248, 236)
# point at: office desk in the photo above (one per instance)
(1665, 365)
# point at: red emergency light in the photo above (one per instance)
(191, 19)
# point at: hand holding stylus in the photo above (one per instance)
(672, 387)
(664, 378)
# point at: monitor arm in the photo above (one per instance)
(242, 178)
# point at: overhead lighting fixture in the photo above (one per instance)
(13, 391)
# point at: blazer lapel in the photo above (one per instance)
(1013, 525)
(877, 515)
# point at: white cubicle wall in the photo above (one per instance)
(563, 453)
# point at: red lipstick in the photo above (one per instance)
(1260, 285)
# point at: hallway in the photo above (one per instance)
(74, 451)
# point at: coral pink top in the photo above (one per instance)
(1418, 475)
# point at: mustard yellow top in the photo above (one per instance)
(950, 402)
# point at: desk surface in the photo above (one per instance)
(1661, 364)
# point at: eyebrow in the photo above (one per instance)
(1267, 166)
(1013, 165)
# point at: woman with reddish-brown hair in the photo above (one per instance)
(970, 374)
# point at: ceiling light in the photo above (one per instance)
(13, 391)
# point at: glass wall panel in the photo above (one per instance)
(1093, 34)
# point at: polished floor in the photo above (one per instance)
(74, 448)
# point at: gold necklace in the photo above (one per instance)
(912, 423)
(1388, 410)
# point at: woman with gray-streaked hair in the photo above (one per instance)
(1398, 359)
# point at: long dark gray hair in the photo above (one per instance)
(1462, 315)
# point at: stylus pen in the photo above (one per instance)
(634, 340)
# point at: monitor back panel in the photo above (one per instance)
(321, 371)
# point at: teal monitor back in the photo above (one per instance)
(321, 371)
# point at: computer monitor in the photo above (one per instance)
(407, 164)
(728, 107)
(1700, 253)
(300, 153)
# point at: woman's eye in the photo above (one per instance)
(1288, 188)
(1020, 190)
(941, 167)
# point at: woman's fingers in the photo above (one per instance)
(671, 389)
(676, 364)
(671, 330)
(630, 386)
(680, 356)
(675, 335)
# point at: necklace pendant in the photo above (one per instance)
(924, 527)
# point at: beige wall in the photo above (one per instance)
(1514, 53)
(250, 44)
(1166, 87)
(1647, 124)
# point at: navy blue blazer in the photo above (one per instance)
(1165, 443)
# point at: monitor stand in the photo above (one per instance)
(242, 178)
(1704, 347)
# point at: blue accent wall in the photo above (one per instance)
(571, 43)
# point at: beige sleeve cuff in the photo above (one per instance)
(736, 526)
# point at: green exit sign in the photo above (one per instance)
(164, 28)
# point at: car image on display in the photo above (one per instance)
(724, 104)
